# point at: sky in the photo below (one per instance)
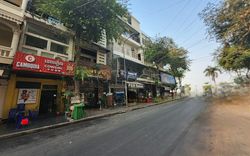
(179, 20)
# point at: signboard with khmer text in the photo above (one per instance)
(28, 62)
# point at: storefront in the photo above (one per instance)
(168, 83)
(38, 82)
(133, 91)
(148, 91)
(96, 85)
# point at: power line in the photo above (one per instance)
(200, 58)
(164, 9)
(192, 12)
(176, 15)
(191, 36)
(196, 43)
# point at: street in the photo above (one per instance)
(151, 131)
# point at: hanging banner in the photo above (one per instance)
(28, 62)
(128, 75)
(27, 96)
(167, 79)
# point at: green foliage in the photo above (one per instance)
(207, 89)
(88, 19)
(212, 72)
(81, 73)
(158, 50)
(163, 51)
(178, 63)
(229, 21)
(234, 58)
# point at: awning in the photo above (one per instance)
(135, 85)
(145, 80)
(11, 17)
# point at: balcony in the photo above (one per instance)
(5, 57)
(13, 10)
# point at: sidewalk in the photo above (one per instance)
(9, 130)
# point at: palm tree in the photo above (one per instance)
(80, 74)
(212, 72)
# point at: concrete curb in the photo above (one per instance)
(39, 129)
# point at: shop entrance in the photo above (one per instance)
(48, 99)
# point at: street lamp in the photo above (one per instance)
(124, 67)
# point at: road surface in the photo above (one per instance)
(153, 131)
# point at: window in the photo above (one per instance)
(139, 57)
(15, 2)
(36, 42)
(130, 20)
(133, 52)
(58, 48)
(6, 35)
(47, 33)
(85, 59)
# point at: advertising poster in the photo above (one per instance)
(167, 79)
(27, 96)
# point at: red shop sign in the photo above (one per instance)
(28, 62)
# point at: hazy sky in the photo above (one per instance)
(179, 20)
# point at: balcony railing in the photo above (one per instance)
(5, 51)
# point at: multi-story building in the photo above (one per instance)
(93, 57)
(128, 62)
(132, 77)
(11, 19)
(41, 63)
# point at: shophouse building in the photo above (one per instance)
(11, 19)
(42, 62)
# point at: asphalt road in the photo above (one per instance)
(153, 131)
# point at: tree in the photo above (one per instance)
(234, 58)
(157, 50)
(212, 72)
(80, 74)
(207, 89)
(164, 52)
(89, 20)
(229, 22)
(178, 63)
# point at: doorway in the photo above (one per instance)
(48, 99)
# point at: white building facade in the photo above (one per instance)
(11, 18)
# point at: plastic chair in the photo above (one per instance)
(21, 107)
(18, 121)
(12, 115)
(33, 114)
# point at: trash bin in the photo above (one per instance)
(78, 112)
